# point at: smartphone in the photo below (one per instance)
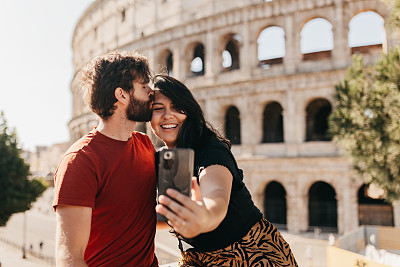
(175, 170)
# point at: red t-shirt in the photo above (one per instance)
(117, 180)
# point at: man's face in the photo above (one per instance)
(141, 101)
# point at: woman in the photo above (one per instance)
(219, 225)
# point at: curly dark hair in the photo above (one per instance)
(195, 131)
(105, 73)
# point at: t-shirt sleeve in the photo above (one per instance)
(75, 182)
(145, 140)
(216, 155)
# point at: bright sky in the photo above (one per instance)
(36, 67)
(36, 64)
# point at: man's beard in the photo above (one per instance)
(139, 110)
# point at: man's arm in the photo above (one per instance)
(72, 235)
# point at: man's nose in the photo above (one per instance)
(151, 93)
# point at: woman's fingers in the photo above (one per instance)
(179, 224)
(176, 207)
(170, 215)
(186, 215)
(191, 204)
(172, 209)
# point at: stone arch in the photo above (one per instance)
(317, 113)
(316, 39)
(231, 52)
(377, 7)
(166, 62)
(372, 207)
(271, 46)
(273, 123)
(196, 59)
(322, 205)
(232, 125)
(275, 209)
(366, 32)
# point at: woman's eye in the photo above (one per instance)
(157, 108)
(178, 110)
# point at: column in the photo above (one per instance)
(289, 124)
(396, 213)
(212, 58)
(340, 36)
(178, 59)
(292, 45)
(297, 207)
(248, 49)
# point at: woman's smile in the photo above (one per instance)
(169, 126)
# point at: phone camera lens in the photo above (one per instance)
(168, 155)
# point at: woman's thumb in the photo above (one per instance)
(196, 193)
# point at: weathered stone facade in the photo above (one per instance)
(171, 33)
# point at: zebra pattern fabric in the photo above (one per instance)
(263, 246)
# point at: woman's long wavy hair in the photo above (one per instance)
(195, 131)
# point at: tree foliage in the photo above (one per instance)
(17, 192)
(366, 120)
(394, 5)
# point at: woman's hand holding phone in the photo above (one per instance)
(188, 217)
(205, 209)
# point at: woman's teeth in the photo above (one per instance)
(169, 126)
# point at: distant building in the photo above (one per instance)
(44, 160)
(264, 72)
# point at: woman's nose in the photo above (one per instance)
(168, 113)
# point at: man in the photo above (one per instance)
(105, 184)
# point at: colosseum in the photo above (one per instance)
(264, 73)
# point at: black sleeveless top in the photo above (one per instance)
(242, 214)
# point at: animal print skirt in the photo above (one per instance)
(262, 246)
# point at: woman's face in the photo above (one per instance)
(166, 121)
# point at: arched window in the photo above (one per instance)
(273, 123)
(226, 60)
(318, 112)
(372, 207)
(232, 125)
(123, 15)
(166, 62)
(322, 205)
(169, 64)
(197, 64)
(366, 32)
(230, 55)
(316, 39)
(275, 203)
(271, 46)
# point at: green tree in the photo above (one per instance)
(17, 192)
(366, 120)
(394, 5)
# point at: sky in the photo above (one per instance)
(36, 64)
(36, 67)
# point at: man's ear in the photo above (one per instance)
(121, 95)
